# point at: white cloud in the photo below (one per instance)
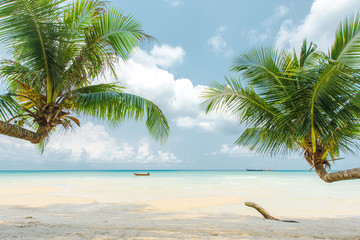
(167, 157)
(218, 43)
(92, 143)
(318, 26)
(7, 143)
(163, 56)
(86, 145)
(213, 122)
(167, 56)
(236, 151)
(141, 76)
(178, 98)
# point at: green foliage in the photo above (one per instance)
(292, 103)
(58, 50)
(346, 48)
(8, 107)
(117, 106)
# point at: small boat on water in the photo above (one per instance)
(259, 170)
(142, 174)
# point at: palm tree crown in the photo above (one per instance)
(58, 50)
(308, 102)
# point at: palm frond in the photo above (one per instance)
(78, 18)
(115, 107)
(12, 73)
(103, 87)
(346, 48)
(75, 120)
(9, 107)
(80, 14)
(110, 36)
(116, 32)
(335, 85)
(307, 54)
(34, 32)
(95, 88)
(41, 146)
(273, 140)
(260, 66)
(234, 98)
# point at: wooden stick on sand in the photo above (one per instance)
(265, 214)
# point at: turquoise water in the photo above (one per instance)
(243, 179)
(178, 182)
(162, 176)
(295, 190)
(154, 173)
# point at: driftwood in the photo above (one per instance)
(265, 214)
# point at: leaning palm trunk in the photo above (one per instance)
(349, 174)
(22, 133)
(320, 165)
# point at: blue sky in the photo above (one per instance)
(196, 44)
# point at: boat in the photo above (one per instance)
(259, 170)
(142, 174)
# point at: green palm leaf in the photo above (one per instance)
(9, 107)
(115, 107)
(32, 29)
(346, 48)
(241, 102)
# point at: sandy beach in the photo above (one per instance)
(146, 208)
(179, 120)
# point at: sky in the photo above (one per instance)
(196, 43)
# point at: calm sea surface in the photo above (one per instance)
(181, 182)
(116, 186)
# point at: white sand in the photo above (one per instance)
(36, 211)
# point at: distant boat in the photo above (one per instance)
(142, 174)
(259, 170)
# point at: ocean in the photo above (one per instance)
(303, 189)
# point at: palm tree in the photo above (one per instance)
(308, 102)
(58, 50)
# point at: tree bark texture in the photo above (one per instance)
(348, 174)
(13, 130)
(316, 161)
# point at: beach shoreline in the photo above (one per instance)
(176, 206)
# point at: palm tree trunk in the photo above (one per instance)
(353, 173)
(22, 133)
(314, 159)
